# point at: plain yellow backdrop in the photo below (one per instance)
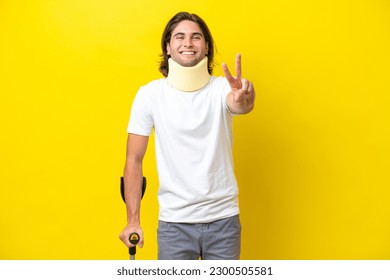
(312, 159)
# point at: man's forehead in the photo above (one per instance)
(187, 27)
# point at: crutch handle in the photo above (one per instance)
(134, 239)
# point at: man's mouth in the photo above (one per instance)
(187, 53)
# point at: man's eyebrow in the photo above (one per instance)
(192, 34)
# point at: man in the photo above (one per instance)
(191, 112)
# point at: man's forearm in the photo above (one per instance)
(133, 192)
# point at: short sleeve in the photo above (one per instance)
(141, 118)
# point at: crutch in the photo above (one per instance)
(133, 237)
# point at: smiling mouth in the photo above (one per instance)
(187, 53)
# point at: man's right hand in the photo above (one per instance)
(129, 229)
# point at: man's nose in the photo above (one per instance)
(187, 42)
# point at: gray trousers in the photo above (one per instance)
(218, 240)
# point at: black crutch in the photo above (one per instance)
(134, 237)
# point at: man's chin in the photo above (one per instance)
(188, 62)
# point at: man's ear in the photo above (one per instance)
(168, 49)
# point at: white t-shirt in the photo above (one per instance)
(193, 136)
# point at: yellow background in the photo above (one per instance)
(312, 160)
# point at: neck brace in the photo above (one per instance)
(188, 78)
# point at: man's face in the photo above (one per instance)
(187, 46)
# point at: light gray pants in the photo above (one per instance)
(218, 240)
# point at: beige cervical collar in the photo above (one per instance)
(188, 78)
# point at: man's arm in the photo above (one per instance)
(136, 149)
(241, 99)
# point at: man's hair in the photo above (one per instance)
(166, 37)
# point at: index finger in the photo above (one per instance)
(227, 73)
(238, 66)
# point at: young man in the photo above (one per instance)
(191, 112)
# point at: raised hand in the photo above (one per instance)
(242, 97)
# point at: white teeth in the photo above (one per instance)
(187, 53)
